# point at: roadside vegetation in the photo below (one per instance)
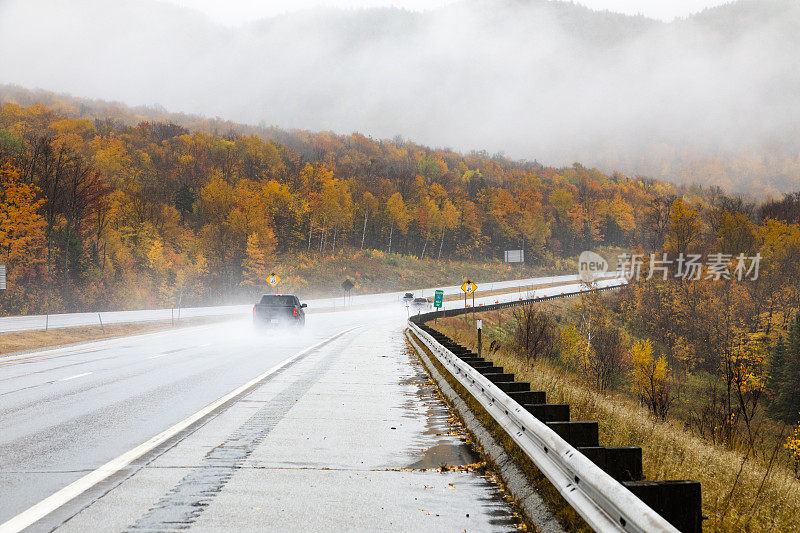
(371, 271)
(745, 488)
(702, 371)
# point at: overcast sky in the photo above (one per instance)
(234, 12)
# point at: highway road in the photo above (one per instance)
(37, 322)
(344, 426)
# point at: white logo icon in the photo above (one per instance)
(591, 266)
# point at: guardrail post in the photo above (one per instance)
(480, 330)
(679, 502)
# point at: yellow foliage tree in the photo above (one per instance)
(255, 270)
(22, 239)
(574, 349)
(650, 378)
(747, 369)
(793, 445)
(398, 215)
(684, 228)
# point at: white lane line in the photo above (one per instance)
(156, 356)
(53, 502)
(75, 376)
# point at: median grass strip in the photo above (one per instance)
(22, 341)
(740, 492)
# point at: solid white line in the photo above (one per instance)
(53, 502)
(75, 376)
(157, 356)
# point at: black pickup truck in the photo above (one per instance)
(279, 310)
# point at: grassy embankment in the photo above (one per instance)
(741, 491)
(20, 341)
(312, 276)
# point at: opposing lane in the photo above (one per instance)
(54, 429)
(39, 322)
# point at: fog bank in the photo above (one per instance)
(712, 95)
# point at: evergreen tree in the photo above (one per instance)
(790, 398)
(776, 376)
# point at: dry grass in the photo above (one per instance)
(33, 340)
(739, 493)
(317, 276)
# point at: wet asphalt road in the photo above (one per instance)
(345, 428)
(37, 322)
(65, 412)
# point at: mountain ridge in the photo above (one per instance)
(708, 98)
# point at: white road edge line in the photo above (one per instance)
(53, 502)
(75, 376)
(157, 356)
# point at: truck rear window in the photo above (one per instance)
(277, 300)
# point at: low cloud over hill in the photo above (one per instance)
(709, 99)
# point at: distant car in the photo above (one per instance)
(421, 302)
(279, 310)
(408, 296)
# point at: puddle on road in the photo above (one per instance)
(452, 446)
(446, 455)
(454, 450)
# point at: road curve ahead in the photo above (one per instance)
(345, 435)
(9, 324)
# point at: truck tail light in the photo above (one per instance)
(294, 311)
(254, 310)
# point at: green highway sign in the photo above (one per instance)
(437, 299)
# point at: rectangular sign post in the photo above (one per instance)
(438, 298)
(515, 256)
(2, 277)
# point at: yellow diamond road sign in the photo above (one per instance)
(469, 287)
(273, 279)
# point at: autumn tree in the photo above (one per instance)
(684, 229)
(369, 205)
(398, 216)
(255, 267)
(650, 378)
(535, 333)
(22, 239)
(450, 218)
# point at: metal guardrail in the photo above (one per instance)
(456, 311)
(604, 503)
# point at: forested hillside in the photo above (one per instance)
(106, 206)
(133, 210)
